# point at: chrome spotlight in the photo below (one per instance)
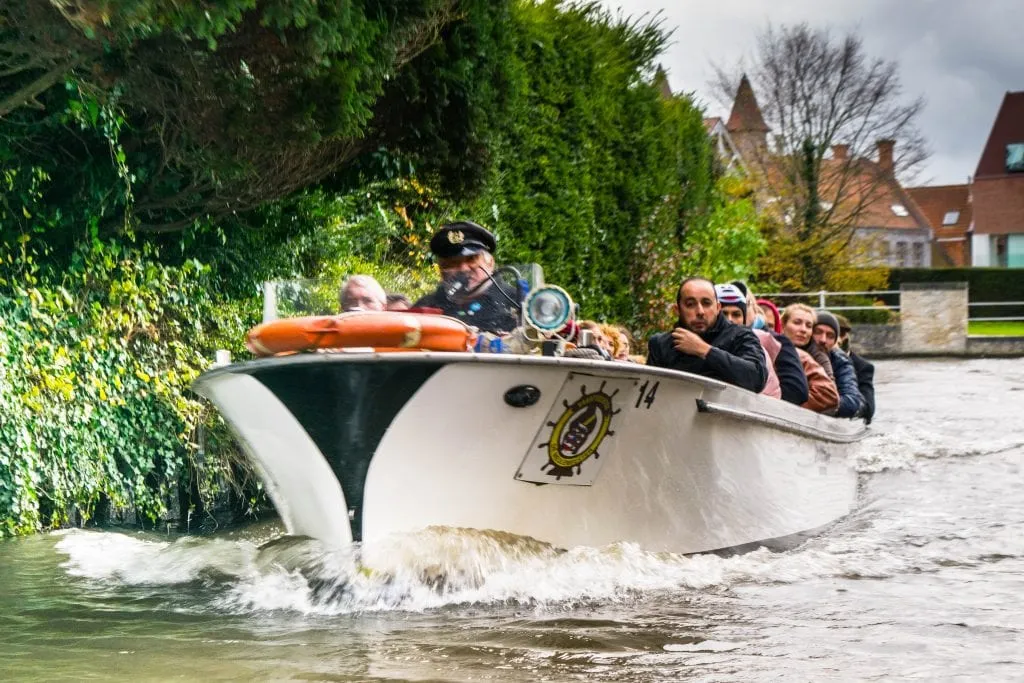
(548, 310)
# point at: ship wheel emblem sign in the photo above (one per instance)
(579, 432)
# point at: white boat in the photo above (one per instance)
(359, 446)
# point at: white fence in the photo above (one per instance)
(822, 297)
(881, 298)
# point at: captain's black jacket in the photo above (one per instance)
(493, 311)
(736, 356)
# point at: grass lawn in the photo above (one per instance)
(997, 329)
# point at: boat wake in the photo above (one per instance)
(436, 568)
(902, 447)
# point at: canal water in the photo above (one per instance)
(924, 581)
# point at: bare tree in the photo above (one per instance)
(831, 109)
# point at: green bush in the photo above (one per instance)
(95, 368)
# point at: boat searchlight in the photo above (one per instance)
(548, 310)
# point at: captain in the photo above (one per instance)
(469, 290)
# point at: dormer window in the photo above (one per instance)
(1015, 157)
(899, 210)
(951, 218)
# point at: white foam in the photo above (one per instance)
(427, 570)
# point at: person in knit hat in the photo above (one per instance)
(734, 309)
(826, 335)
(786, 378)
(733, 302)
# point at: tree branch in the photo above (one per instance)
(30, 91)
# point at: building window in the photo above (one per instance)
(886, 252)
(1015, 157)
(951, 218)
(918, 261)
(901, 254)
(1015, 251)
(999, 251)
(899, 210)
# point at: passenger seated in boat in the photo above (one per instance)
(798, 325)
(620, 343)
(784, 359)
(822, 394)
(396, 301)
(826, 334)
(734, 309)
(772, 319)
(865, 370)
(468, 289)
(707, 344)
(595, 339)
(361, 293)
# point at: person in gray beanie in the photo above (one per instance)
(826, 334)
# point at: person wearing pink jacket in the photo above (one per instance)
(734, 309)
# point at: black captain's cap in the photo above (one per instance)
(463, 238)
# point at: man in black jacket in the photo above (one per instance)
(865, 369)
(826, 334)
(469, 291)
(705, 343)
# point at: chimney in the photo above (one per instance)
(840, 152)
(885, 149)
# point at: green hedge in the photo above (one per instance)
(95, 366)
(985, 284)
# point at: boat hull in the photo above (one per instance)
(570, 452)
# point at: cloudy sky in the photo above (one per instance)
(961, 55)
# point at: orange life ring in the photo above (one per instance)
(392, 330)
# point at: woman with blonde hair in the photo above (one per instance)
(798, 324)
(619, 338)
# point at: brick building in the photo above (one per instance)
(997, 192)
(981, 223)
(861, 191)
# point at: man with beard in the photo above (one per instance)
(705, 343)
(468, 290)
(826, 335)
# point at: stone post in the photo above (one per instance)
(933, 317)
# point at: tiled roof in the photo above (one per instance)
(938, 201)
(883, 193)
(746, 115)
(709, 124)
(950, 247)
(866, 191)
(1008, 127)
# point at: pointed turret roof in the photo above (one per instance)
(746, 115)
(661, 83)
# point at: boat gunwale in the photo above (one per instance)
(781, 423)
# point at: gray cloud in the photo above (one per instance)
(961, 56)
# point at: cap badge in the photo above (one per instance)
(456, 236)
